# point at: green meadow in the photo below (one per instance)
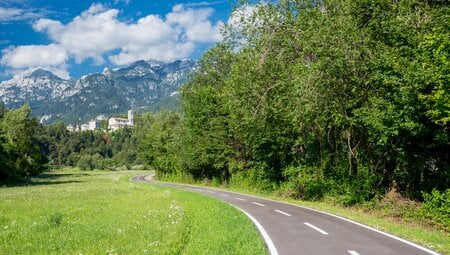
(98, 212)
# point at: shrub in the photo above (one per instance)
(107, 164)
(436, 207)
(304, 182)
(253, 179)
(85, 163)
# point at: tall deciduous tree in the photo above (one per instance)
(21, 154)
(352, 93)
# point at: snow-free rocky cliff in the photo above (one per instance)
(143, 86)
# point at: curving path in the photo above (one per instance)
(292, 229)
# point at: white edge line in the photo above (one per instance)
(332, 215)
(353, 253)
(316, 228)
(350, 221)
(262, 231)
(373, 229)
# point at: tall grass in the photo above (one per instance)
(74, 212)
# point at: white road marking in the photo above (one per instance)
(269, 242)
(363, 226)
(149, 179)
(353, 252)
(211, 192)
(284, 213)
(256, 203)
(240, 199)
(315, 228)
(225, 195)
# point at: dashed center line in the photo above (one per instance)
(284, 213)
(212, 192)
(353, 252)
(256, 203)
(240, 199)
(316, 228)
(225, 195)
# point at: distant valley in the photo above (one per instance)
(142, 86)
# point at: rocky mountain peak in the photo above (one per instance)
(42, 74)
(143, 86)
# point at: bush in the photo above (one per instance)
(107, 164)
(358, 189)
(85, 163)
(97, 161)
(436, 207)
(254, 179)
(72, 159)
(138, 167)
(303, 183)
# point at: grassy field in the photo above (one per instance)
(97, 212)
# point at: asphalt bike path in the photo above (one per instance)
(291, 229)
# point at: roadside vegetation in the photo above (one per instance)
(102, 212)
(345, 102)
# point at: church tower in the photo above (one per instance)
(131, 117)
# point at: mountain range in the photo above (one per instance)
(142, 86)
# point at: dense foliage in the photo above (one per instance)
(22, 151)
(27, 148)
(339, 97)
(89, 150)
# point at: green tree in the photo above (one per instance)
(353, 91)
(85, 163)
(21, 152)
(159, 145)
(207, 139)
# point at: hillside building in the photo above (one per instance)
(91, 125)
(117, 123)
(94, 125)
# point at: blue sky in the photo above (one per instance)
(76, 37)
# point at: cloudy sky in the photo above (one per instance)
(76, 37)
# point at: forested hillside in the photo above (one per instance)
(349, 98)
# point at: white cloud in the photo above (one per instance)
(244, 16)
(33, 55)
(126, 2)
(98, 34)
(194, 23)
(204, 3)
(16, 14)
(50, 57)
(242, 23)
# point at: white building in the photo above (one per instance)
(117, 123)
(72, 128)
(94, 124)
(85, 127)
